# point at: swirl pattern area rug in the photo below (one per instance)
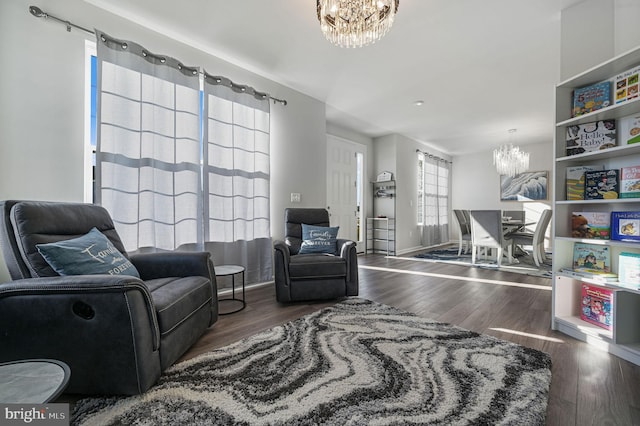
(524, 262)
(355, 363)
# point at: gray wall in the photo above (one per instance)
(369, 171)
(397, 154)
(42, 108)
(476, 184)
(589, 23)
(42, 112)
(594, 31)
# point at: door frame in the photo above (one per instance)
(361, 149)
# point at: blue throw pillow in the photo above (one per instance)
(90, 254)
(318, 239)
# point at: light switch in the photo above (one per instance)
(295, 197)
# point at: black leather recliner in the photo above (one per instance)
(312, 276)
(116, 333)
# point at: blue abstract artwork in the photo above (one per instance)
(528, 186)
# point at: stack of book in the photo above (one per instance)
(629, 270)
(630, 182)
(594, 225)
(601, 184)
(630, 129)
(592, 262)
(593, 136)
(596, 305)
(575, 180)
(625, 226)
(591, 98)
(626, 85)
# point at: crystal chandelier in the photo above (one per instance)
(509, 160)
(355, 23)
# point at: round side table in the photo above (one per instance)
(232, 270)
(32, 381)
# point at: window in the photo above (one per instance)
(420, 203)
(433, 191)
(91, 71)
(183, 161)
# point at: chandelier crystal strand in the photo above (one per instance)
(510, 161)
(355, 23)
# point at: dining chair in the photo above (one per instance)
(486, 232)
(535, 239)
(464, 231)
(467, 218)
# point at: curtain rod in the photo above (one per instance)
(39, 13)
(435, 157)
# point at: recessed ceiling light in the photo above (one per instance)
(418, 103)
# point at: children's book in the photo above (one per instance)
(596, 305)
(592, 258)
(629, 129)
(630, 182)
(596, 225)
(591, 136)
(601, 184)
(575, 181)
(629, 270)
(591, 98)
(626, 85)
(581, 275)
(625, 226)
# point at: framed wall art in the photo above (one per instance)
(527, 186)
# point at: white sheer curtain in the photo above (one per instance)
(148, 152)
(433, 199)
(237, 175)
(179, 173)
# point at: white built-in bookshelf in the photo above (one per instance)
(624, 338)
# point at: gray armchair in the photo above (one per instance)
(117, 333)
(312, 276)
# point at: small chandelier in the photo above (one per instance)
(355, 23)
(509, 160)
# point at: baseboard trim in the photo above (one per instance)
(419, 248)
(227, 291)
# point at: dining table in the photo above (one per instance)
(509, 226)
(514, 225)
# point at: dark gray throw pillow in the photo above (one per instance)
(90, 254)
(319, 239)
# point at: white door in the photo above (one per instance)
(342, 187)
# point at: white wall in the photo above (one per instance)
(397, 154)
(298, 159)
(42, 108)
(594, 31)
(476, 184)
(384, 160)
(41, 154)
(627, 30)
(369, 171)
(589, 23)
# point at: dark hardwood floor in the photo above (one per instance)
(589, 386)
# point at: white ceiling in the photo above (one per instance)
(481, 67)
